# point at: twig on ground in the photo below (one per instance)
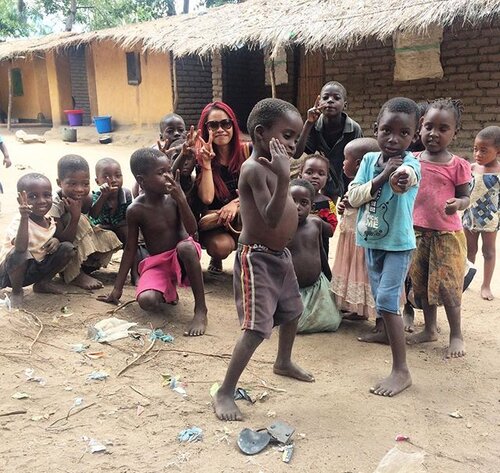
(135, 360)
(271, 388)
(69, 414)
(13, 413)
(138, 392)
(40, 323)
(121, 306)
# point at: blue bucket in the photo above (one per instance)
(103, 124)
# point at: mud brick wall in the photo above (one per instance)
(194, 87)
(471, 64)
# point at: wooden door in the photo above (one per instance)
(311, 79)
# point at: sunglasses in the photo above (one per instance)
(225, 124)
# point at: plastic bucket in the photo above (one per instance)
(75, 117)
(69, 134)
(103, 124)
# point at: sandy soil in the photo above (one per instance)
(340, 427)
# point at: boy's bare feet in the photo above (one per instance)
(456, 348)
(409, 318)
(47, 287)
(16, 299)
(377, 335)
(198, 325)
(396, 382)
(87, 282)
(422, 337)
(292, 370)
(486, 294)
(225, 407)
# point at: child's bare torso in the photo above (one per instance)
(160, 224)
(255, 229)
(305, 248)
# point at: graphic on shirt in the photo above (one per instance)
(373, 224)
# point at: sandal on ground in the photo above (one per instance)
(215, 266)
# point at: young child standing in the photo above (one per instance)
(163, 215)
(265, 285)
(482, 218)
(311, 264)
(350, 282)
(384, 190)
(30, 253)
(315, 170)
(327, 130)
(438, 267)
(94, 245)
(111, 201)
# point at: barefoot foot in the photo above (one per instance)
(198, 325)
(396, 382)
(291, 370)
(353, 316)
(456, 348)
(374, 337)
(486, 294)
(409, 318)
(225, 408)
(422, 337)
(16, 299)
(47, 287)
(87, 282)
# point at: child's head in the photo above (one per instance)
(108, 170)
(440, 124)
(38, 191)
(172, 127)
(150, 168)
(487, 146)
(416, 144)
(333, 99)
(274, 118)
(303, 194)
(396, 126)
(73, 176)
(354, 152)
(315, 170)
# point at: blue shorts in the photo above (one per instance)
(387, 272)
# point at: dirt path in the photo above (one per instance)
(340, 427)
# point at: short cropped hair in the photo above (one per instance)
(360, 146)
(143, 159)
(400, 105)
(306, 185)
(167, 117)
(71, 163)
(24, 182)
(491, 133)
(267, 112)
(319, 156)
(453, 105)
(338, 85)
(105, 162)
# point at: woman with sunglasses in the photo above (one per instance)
(220, 156)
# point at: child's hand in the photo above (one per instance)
(342, 205)
(392, 164)
(189, 145)
(113, 298)
(400, 181)
(452, 205)
(314, 113)
(24, 208)
(107, 188)
(164, 148)
(7, 162)
(173, 186)
(74, 207)
(227, 213)
(280, 161)
(51, 246)
(206, 151)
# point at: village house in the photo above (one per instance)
(244, 52)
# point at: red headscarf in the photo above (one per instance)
(236, 152)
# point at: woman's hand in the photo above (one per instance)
(228, 213)
(206, 151)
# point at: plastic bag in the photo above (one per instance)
(396, 461)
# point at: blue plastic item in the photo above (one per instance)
(103, 124)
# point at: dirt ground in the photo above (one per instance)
(340, 426)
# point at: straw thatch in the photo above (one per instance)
(276, 23)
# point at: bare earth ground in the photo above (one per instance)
(340, 427)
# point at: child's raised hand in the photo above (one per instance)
(314, 113)
(25, 209)
(206, 151)
(113, 298)
(280, 161)
(107, 188)
(392, 164)
(452, 206)
(164, 148)
(74, 207)
(173, 186)
(51, 246)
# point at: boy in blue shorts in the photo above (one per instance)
(384, 189)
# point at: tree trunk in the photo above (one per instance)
(70, 20)
(185, 8)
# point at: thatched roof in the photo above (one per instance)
(275, 23)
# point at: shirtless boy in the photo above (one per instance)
(265, 285)
(167, 223)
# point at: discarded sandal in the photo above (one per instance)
(252, 442)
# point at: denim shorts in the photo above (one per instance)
(387, 271)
